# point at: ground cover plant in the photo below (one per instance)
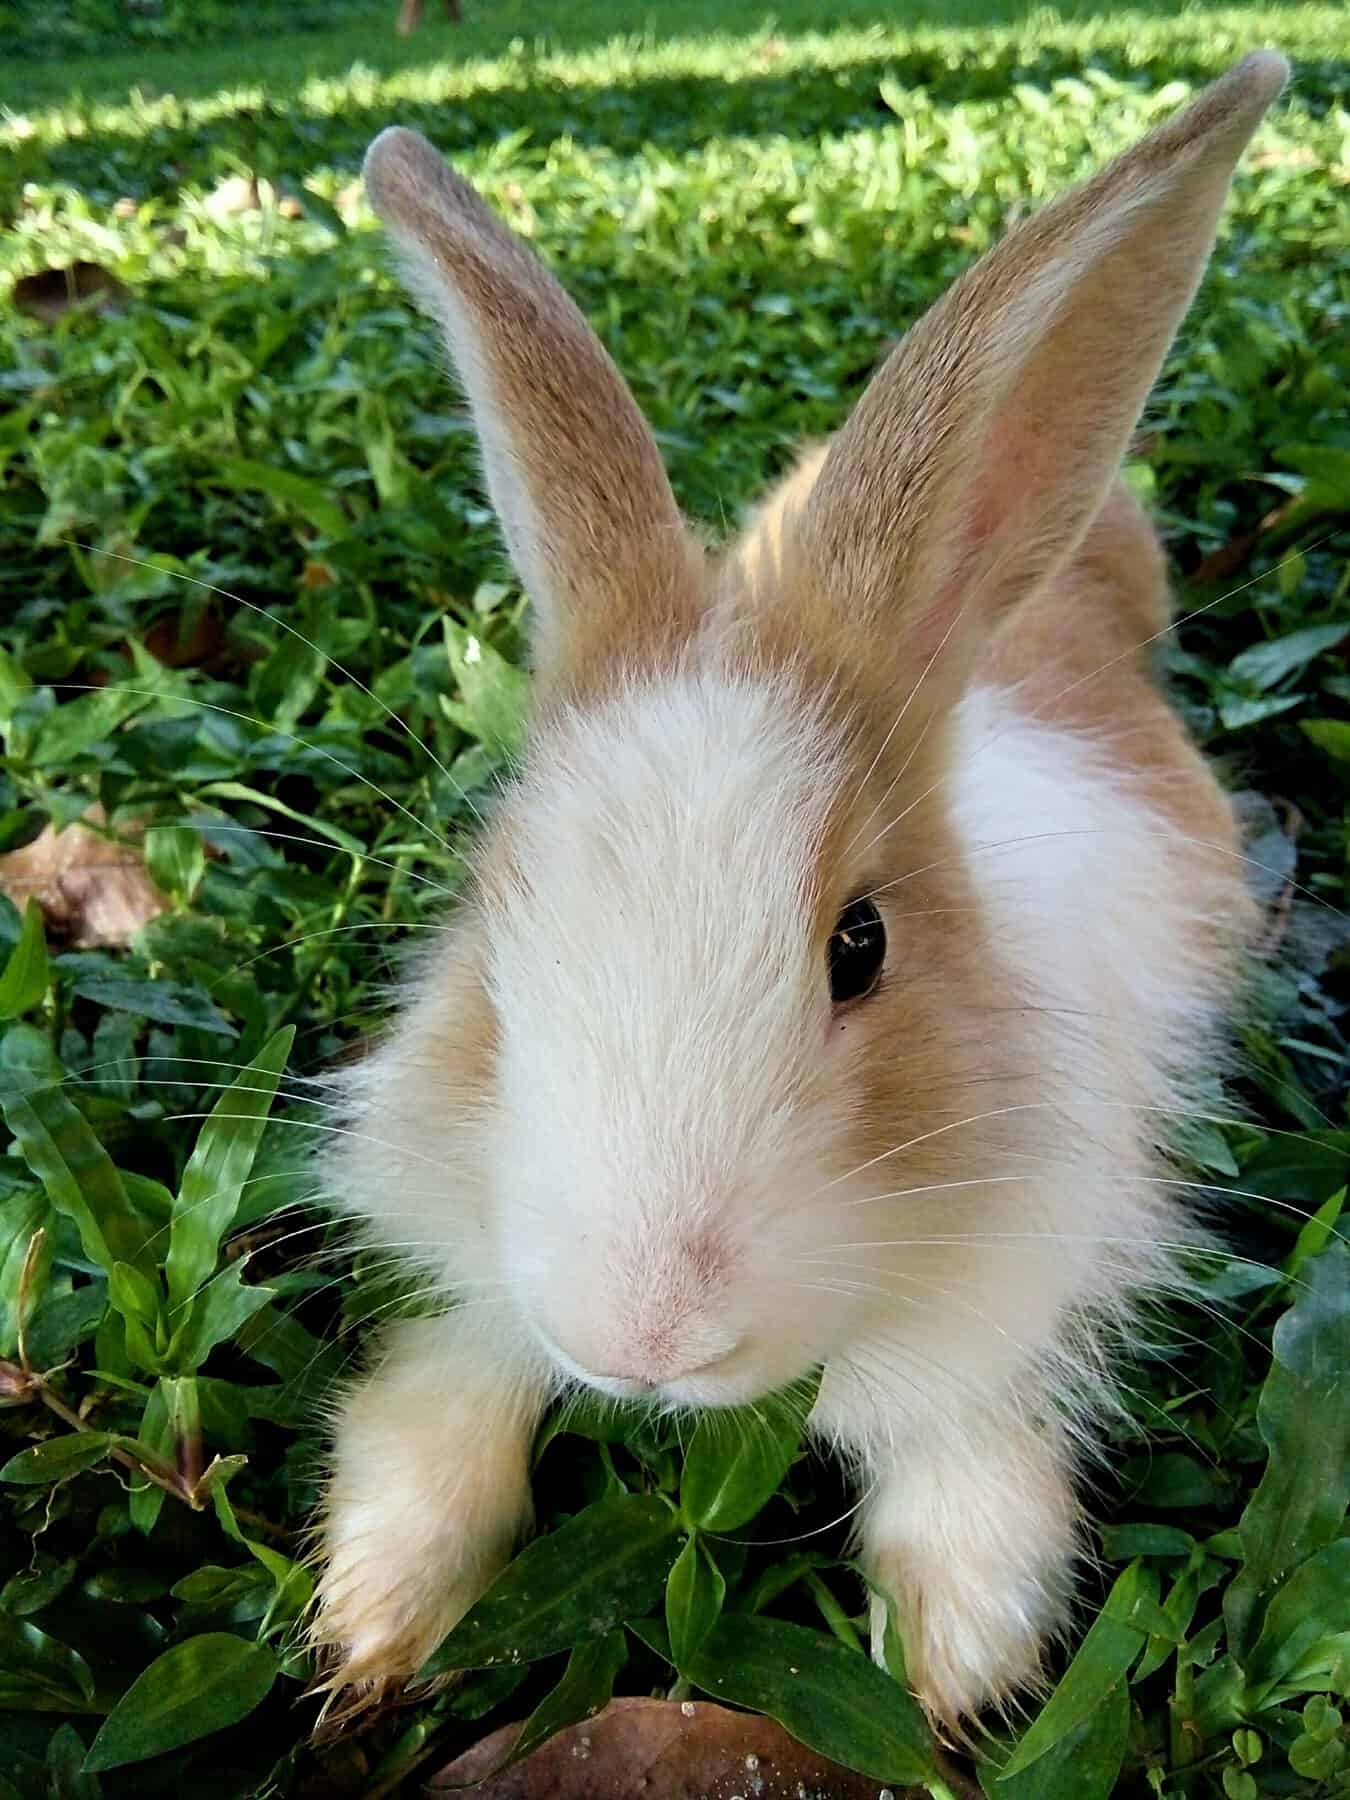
(258, 634)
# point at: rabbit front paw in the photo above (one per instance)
(393, 1583)
(977, 1553)
(972, 1638)
(428, 1495)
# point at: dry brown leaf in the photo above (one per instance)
(53, 292)
(94, 893)
(178, 644)
(662, 1750)
(1285, 156)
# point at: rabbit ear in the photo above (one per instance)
(985, 445)
(572, 468)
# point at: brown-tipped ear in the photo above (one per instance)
(986, 443)
(571, 465)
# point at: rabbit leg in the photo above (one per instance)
(429, 1492)
(971, 1529)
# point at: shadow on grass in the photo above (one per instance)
(290, 135)
(285, 61)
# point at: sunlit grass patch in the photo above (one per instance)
(254, 611)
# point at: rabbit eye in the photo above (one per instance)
(857, 951)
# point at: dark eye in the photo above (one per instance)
(857, 951)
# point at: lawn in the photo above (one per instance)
(253, 609)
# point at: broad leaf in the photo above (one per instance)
(197, 1687)
(57, 1458)
(1263, 665)
(293, 493)
(492, 691)
(21, 1217)
(607, 1564)
(40, 1674)
(24, 979)
(585, 1686)
(1083, 1765)
(695, 1591)
(1313, 1605)
(1304, 1418)
(735, 1462)
(77, 1172)
(213, 1181)
(1104, 1656)
(832, 1698)
(212, 1316)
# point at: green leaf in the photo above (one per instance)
(65, 1766)
(324, 828)
(1314, 1604)
(695, 1591)
(1331, 735)
(58, 1458)
(36, 1587)
(1263, 665)
(607, 1564)
(77, 727)
(493, 693)
(62, 1322)
(167, 1002)
(1304, 1418)
(134, 1295)
(1316, 1234)
(26, 975)
(1171, 1478)
(214, 1315)
(156, 1433)
(77, 1172)
(197, 1687)
(1121, 1543)
(40, 1674)
(22, 1216)
(1103, 1659)
(16, 684)
(293, 493)
(175, 856)
(214, 1178)
(1084, 1765)
(585, 1686)
(735, 1462)
(833, 1699)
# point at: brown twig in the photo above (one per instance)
(18, 1384)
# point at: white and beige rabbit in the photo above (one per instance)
(830, 972)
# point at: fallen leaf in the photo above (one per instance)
(94, 892)
(1286, 156)
(51, 293)
(181, 643)
(660, 1750)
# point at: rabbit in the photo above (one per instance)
(833, 965)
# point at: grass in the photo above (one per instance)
(749, 213)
